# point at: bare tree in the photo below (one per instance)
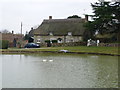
(5, 31)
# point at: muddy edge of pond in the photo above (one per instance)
(24, 52)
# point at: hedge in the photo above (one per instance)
(53, 41)
(4, 44)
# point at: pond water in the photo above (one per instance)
(59, 71)
(0, 73)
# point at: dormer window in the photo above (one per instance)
(51, 33)
(69, 33)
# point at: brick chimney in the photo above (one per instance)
(50, 17)
(86, 18)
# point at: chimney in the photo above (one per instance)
(50, 17)
(86, 18)
(12, 32)
(31, 28)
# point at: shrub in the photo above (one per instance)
(47, 41)
(54, 41)
(4, 44)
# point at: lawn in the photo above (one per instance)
(92, 49)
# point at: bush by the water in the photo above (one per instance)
(48, 41)
(4, 44)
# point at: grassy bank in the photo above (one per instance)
(82, 49)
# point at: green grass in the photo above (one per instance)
(92, 49)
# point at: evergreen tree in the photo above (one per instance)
(26, 37)
(106, 18)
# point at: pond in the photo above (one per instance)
(59, 71)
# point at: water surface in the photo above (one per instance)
(65, 71)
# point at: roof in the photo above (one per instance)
(31, 33)
(10, 37)
(61, 27)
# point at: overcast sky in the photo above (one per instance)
(32, 12)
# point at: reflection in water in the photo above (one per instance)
(59, 71)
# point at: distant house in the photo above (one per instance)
(61, 30)
(12, 38)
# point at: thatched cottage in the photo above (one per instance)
(60, 30)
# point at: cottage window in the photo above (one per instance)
(38, 40)
(59, 40)
(69, 33)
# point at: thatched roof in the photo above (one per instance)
(31, 33)
(61, 27)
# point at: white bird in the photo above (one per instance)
(64, 50)
(44, 60)
(50, 60)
